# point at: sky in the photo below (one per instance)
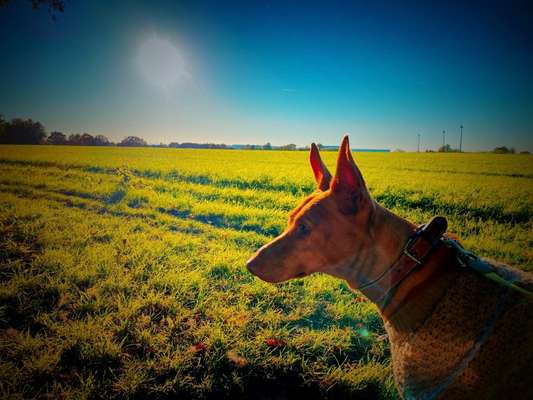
(279, 72)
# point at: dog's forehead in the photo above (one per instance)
(312, 203)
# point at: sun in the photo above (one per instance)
(161, 63)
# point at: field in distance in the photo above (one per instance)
(122, 270)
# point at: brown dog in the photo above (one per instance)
(454, 334)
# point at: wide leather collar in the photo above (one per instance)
(417, 250)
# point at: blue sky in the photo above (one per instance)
(252, 72)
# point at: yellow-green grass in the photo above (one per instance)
(122, 270)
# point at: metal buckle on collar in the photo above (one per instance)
(431, 232)
(406, 249)
(411, 256)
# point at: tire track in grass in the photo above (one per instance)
(394, 198)
(255, 184)
(195, 226)
(403, 199)
(251, 236)
(267, 200)
(210, 208)
(258, 183)
(238, 221)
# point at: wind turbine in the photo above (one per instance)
(461, 140)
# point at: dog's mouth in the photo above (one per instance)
(267, 275)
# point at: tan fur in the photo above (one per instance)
(454, 334)
(429, 355)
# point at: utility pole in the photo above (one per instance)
(443, 140)
(418, 143)
(461, 140)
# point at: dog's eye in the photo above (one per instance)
(303, 229)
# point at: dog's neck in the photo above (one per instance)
(378, 247)
(417, 295)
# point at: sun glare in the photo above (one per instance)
(161, 63)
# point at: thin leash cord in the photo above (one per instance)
(493, 276)
(470, 260)
(373, 281)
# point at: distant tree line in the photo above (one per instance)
(190, 145)
(77, 139)
(268, 146)
(27, 131)
(497, 150)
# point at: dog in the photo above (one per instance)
(454, 334)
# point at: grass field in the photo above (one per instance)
(122, 270)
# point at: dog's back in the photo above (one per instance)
(476, 341)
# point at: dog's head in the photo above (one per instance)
(327, 230)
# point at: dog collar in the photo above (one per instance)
(417, 249)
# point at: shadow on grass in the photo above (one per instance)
(238, 223)
(210, 231)
(403, 199)
(406, 199)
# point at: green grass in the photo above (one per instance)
(122, 270)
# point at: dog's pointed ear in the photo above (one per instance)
(322, 175)
(348, 178)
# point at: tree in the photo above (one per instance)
(190, 145)
(74, 139)
(52, 5)
(291, 146)
(23, 131)
(2, 128)
(101, 140)
(133, 141)
(503, 150)
(86, 140)
(56, 138)
(267, 146)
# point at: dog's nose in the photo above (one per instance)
(250, 264)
